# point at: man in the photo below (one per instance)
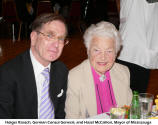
(22, 79)
(138, 28)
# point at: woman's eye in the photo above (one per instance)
(96, 50)
(109, 51)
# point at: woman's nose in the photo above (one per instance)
(103, 55)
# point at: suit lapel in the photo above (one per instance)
(53, 84)
(88, 88)
(116, 84)
(29, 79)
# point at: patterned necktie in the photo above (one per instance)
(46, 106)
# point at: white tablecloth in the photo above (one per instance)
(100, 116)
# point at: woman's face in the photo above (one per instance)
(102, 53)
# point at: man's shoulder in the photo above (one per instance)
(59, 67)
(59, 64)
(17, 61)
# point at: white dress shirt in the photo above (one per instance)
(38, 68)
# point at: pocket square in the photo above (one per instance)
(61, 93)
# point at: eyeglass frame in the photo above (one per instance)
(65, 41)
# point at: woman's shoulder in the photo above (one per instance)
(79, 68)
(121, 73)
(120, 67)
(120, 70)
(78, 74)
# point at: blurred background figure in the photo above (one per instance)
(26, 11)
(138, 28)
(61, 6)
(93, 11)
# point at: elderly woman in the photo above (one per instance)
(98, 83)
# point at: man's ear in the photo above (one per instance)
(33, 37)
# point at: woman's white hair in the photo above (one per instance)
(102, 29)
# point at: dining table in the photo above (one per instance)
(106, 115)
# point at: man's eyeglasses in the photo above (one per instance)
(61, 40)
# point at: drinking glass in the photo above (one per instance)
(146, 102)
(117, 113)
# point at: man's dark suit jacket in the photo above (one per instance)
(18, 93)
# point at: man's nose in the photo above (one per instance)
(56, 42)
